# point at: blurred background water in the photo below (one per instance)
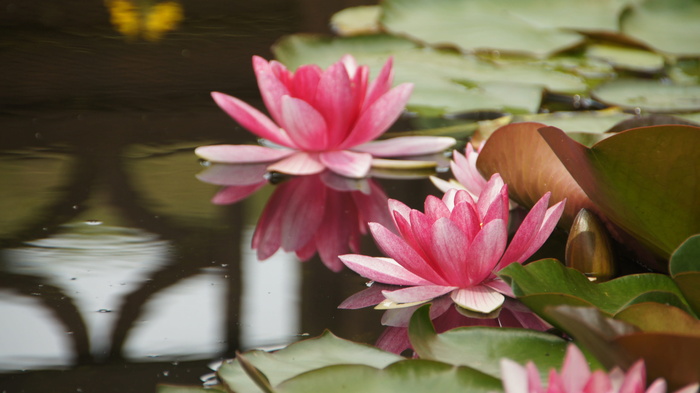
(116, 271)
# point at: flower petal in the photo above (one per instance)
(464, 169)
(490, 194)
(233, 194)
(347, 163)
(233, 174)
(271, 87)
(575, 371)
(526, 233)
(514, 377)
(397, 248)
(304, 124)
(365, 298)
(382, 270)
(299, 163)
(448, 243)
(305, 82)
(251, 119)
(485, 251)
(378, 117)
(334, 100)
(380, 85)
(240, 154)
(551, 218)
(407, 146)
(479, 298)
(421, 293)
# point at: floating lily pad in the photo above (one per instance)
(529, 28)
(669, 26)
(356, 20)
(685, 269)
(649, 95)
(593, 122)
(627, 58)
(549, 279)
(443, 80)
(407, 376)
(301, 357)
(483, 347)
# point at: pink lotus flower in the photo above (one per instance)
(463, 167)
(576, 377)
(455, 248)
(321, 119)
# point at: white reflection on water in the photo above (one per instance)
(95, 266)
(271, 298)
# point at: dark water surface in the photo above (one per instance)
(116, 271)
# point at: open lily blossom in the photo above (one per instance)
(454, 248)
(576, 377)
(321, 119)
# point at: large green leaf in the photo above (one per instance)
(407, 376)
(670, 26)
(685, 269)
(298, 358)
(550, 280)
(645, 180)
(482, 347)
(659, 317)
(444, 81)
(649, 95)
(526, 27)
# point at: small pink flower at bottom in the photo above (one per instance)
(576, 377)
(454, 248)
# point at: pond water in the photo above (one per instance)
(116, 270)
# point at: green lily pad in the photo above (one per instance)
(685, 270)
(530, 28)
(669, 26)
(588, 122)
(407, 376)
(549, 278)
(644, 180)
(482, 347)
(357, 20)
(443, 80)
(649, 95)
(627, 58)
(300, 357)
(658, 317)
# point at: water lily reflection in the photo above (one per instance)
(322, 213)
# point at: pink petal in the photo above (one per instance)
(435, 208)
(240, 154)
(407, 146)
(551, 218)
(299, 163)
(598, 382)
(479, 298)
(383, 270)
(499, 207)
(271, 86)
(399, 207)
(233, 194)
(421, 240)
(421, 293)
(464, 170)
(365, 298)
(635, 379)
(397, 248)
(490, 194)
(514, 377)
(305, 82)
(335, 232)
(334, 100)
(252, 119)
(409, 232)
(527, 231)
(378, 117)
(394, 339)
(401, 317)
(575, 371)
(347, 163)
(380, 85)
(448, 243)
(304, 124)
(465, 216)
(501, 286)
(485, 251)
(304, 208)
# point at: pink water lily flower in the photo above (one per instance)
(464, 170)
(454, 248)
(576, 377)
(321, 119)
